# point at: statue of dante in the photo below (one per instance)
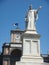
(31, 17)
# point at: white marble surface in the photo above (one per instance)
(31, 46)
(30, 63)
(30, 19)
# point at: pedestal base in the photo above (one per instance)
(30, 60)
(37, 59)
(30, 63)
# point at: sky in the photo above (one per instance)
(14, 11)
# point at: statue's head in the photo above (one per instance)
(30, 7)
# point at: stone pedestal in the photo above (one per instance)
(31, 50)
(32, 59)
(31, 63)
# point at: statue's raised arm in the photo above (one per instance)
(36, 13)
(39, 8)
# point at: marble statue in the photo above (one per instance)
(31, 18)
